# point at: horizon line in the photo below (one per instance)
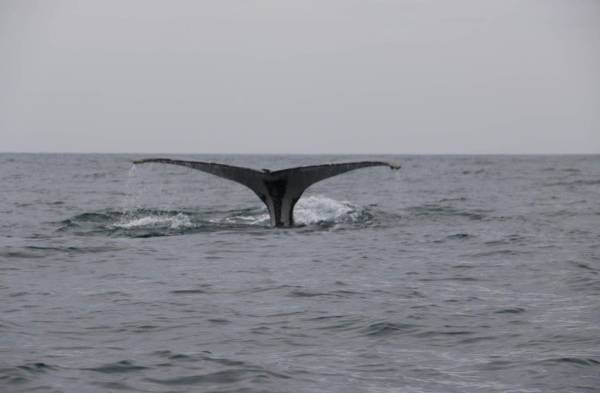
(305, 154)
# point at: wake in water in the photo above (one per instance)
(315, 211)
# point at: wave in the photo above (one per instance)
(252, 374)
(385, 328)
(437, 210)
(41, 252)
(313, 211)
(21, 374)
(573, 360)
(122, 366)
(579, 182)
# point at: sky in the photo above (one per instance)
(300, 76)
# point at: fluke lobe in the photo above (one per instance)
(279, 190)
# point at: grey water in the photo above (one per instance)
(454, 274)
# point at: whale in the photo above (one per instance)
(279, 190)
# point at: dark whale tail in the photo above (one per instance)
(279, 190)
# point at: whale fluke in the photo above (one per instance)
(279, 190)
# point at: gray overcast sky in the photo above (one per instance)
(300, 76)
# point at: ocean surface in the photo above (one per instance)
(454, 274)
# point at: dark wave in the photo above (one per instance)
(123, 366)
(13, 252)
(434, 210)
(585, 266)
(72, 249)
(579, 182)
(41, 252)
(384, 328)
(222, 377)
(188, 291)
(24, 373)
(235, 371)
(305, 293)
(439, 333)
(460, 236)
(115, 386)
(576, 361)
(501, 252)
(509, 240)
(513, 310)
(38, 367)
(454, 278)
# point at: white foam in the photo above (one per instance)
(309, 210)
(173, 222)
(313, 209)
(317, 208)
(132, 171)
(242, 219)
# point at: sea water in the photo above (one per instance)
(454, 274)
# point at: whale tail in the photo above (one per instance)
(279, 190)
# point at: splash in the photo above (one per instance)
(132, 171)
(316, 209)
(177, 221)
(313, 211)
(248, 219)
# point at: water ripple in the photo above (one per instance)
(123, 366)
